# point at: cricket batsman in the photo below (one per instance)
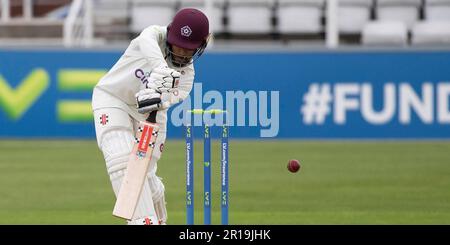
(157, 64)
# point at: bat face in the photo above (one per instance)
(136, 174)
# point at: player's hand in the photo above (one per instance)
(149, 100)
(163, 79)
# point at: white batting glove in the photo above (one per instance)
(149, 100)
(163, 79)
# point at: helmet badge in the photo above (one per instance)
(186, 31)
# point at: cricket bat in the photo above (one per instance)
(137, 167)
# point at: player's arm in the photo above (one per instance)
(148, 44)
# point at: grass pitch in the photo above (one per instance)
(350, 182)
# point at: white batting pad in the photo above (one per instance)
(157, 188)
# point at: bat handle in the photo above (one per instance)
(152, 117)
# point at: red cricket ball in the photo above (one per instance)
(293, 165)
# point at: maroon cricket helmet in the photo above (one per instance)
(189, 29)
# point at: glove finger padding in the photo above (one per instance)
(147, 94)
(148, 100)
(149, 105)
(149, 108)
(160, 102)
(164, 79)
(173, 78)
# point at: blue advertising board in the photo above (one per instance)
(335, 94)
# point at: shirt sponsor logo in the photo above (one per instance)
(143, 76)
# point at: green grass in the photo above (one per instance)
(354, 182)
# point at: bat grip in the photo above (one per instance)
(152, 117)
